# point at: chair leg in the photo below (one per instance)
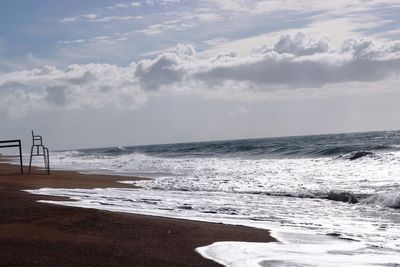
(48, 161)
(30, 160)
(44, 158)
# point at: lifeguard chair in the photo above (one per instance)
(38, 149)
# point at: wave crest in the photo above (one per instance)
(357, 155)
(389, 199)
(342, 196)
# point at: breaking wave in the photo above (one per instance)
(389, 199)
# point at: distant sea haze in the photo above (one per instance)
(339, 191)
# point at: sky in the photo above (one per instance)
(111, 73)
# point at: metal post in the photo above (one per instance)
(30, 160)
(13, 143)
(20, 157)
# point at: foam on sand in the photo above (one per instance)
(312, 233)
(297, 250)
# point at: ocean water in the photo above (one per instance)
(330, 200)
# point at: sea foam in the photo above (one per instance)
(310, 232)
(389, 199)
(332, 198)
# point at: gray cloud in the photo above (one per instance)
(56, 95)
(11, 85)
(301, 62)
(166, 69)
(294, 61)
(288, 72)
(297, 44)
(78, 86)
(82, 78)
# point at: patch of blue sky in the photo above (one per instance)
(386, 19)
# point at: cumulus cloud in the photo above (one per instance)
(296, 61)
(77, 86)
(293, 62)
(166, 69)
(297, 44)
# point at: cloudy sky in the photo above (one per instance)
(103, 73)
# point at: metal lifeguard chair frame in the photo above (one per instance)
(14, 143)
(38, 149)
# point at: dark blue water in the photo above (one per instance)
(281, 147)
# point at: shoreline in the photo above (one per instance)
(37, 234)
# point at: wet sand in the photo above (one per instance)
(39, 234)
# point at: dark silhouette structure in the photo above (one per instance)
(14, 143)
(38, 149)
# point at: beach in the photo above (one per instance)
(330, 200)
(251, 133)
(41, 234)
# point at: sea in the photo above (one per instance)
(329, 200)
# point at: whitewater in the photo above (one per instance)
(330, 200)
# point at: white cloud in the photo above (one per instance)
(77, 86)
(103, 39)
(161, 2)
(184, 20)
(293, 62)
(70, 19)
(76, 41)
(166, 69)
(114, 18)
(124, 5)
(341, 19)
(270, 6)
(97, 18)
(201, 16)
(90, 16)
(297, 44)
(175, 25)
(158, 52)
(389, 34)
(216, 41)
